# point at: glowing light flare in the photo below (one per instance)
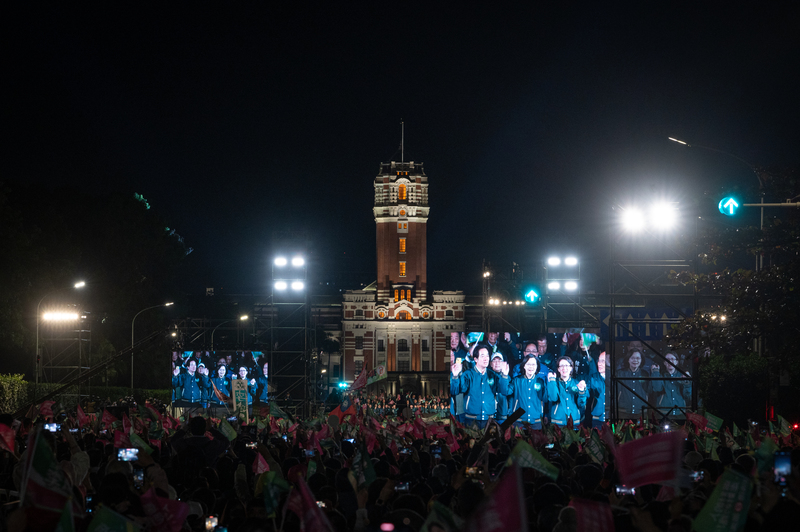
(245, 317)
(80, 284)
(554, 261)
(281, 285)
(632, 220)
(298, 261)
(571, 261)
(297, 285)
(554, 285)
(281, 261)
(570, 285)
(60, 316)
(663, 215)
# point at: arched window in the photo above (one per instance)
(401, 193)
(403, 315)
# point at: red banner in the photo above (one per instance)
(593, 516)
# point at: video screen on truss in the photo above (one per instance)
(204, 379)
(514, 347)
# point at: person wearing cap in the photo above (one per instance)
(480, 387)
(503, 408)
(205, 391)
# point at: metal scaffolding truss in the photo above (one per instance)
(644, 302)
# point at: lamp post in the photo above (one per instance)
(37, 361)
(241, 318)
(133, 321)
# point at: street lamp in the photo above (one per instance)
(78, 285)
(241, 318)
(133, 321)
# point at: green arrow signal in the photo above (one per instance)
(728, 206)
(531, 296)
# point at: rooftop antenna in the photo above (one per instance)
(402, 140)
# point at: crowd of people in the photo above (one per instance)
(372, 470)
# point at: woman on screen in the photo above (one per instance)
(527, 391)
(221, 389)
(566, 395)
(631, 392)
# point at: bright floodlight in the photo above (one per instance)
(80, 284)
(297, 262)
(169, 304)
(632, 220)
(662, 215)
(280, 285)
(244, 317)
(60, 316)
(554, 285)
(570, 285)
(553, 261)
(571, 261)
(281, 261)
(297, 285)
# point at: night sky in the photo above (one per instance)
(531, 121)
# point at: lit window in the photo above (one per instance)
(402, 245)
(405, 226)
(396, 296)
(402, 269)
(401, 194)
(399, 226)
(404, 315)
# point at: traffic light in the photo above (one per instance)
(729, 206)
(531, 294)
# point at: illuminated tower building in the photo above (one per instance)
(394, 322)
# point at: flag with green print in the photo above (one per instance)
(714, 422)
(226, 429)
(784, 428)
(594, 447)
(526, 456)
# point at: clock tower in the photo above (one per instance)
(401, 218)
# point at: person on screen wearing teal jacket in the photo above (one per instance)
(480, 387)
(566, 395)
(672, 393)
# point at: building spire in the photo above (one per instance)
(402, 140)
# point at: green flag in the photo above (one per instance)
(137, 441)
(226, 429)
(709, 445)
(771, 428)
(595, 448)
(764, 454)
(363, 471)
(526, 456)
(67, 521)
(714, 422)
(726, 509)
(441, 519)
(275, 410)
(784, 429)
(736, 431)
(569, 436)
(271, 487)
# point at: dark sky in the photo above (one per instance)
(237, 121)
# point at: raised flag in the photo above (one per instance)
(592, 516)
(594, 447)
(764, 454)
(304, 505)
(504, 509)
(697, 420)
(276, 411)
(607, 436)
(271, 486)
(7, 438)
(727, 508)
(67, 521)
(714, 422)
(260, 464)
(121, 440)
(108, 419)
(736, 431)
(226, 429)
(650, 460)
(44, 483)
(163, 513)
(526, 456)
(784, 427)
(46, 409)
(361, 380)
(137, 441)
(362, 468)
(83, 419)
